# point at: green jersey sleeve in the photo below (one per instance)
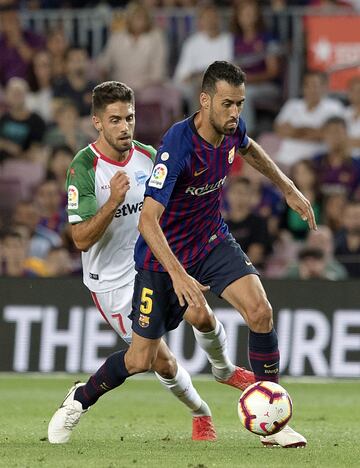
(149, 150)
(80, 187)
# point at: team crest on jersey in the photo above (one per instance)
(73, 198)
(141, 177)
(231, 155)
(144, 321)
(158, 176)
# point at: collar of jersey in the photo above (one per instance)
(102, 156)
(191, 121)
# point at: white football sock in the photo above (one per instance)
(215, 346)
(181, 386)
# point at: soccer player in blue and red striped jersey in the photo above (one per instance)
(185, 246)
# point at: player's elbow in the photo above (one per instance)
(82, 245)
(144, 223)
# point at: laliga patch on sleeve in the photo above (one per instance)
(73, 198)
(158, 176)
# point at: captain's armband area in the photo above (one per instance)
(250, 150)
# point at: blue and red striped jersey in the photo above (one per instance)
(187, 179)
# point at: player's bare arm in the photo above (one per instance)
(87, 233)
(261, 161)
(186, 288)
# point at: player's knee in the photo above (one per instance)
(138, 363)
(166, 367)
(203, 321)
(260, 316)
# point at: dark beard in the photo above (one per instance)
(120, 149)
(222, 130)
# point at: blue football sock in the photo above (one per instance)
(110, 375)
(264, 355)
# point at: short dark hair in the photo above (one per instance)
(311, 252)
(109, 92)
(9, 234)
(221, 71)
(335, 119)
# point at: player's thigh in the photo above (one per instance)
(226, 263)
(115, 307)
(248, 296)
(155, 307)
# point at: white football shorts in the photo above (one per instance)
(115, 306)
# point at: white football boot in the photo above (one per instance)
(286, 438)
(65, 418)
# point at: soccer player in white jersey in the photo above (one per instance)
(106, 184)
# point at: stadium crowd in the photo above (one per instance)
(45, 106)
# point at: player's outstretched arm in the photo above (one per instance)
(261, 161)
(186, 287)
(87, 233)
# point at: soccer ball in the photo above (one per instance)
(265, 408)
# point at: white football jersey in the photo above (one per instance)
(109, 263)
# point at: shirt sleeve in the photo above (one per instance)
(243, 137)
(169, 164)
(80, 186)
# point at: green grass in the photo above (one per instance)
(141, 425)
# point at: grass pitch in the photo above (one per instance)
(142, 425)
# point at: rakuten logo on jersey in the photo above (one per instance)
(199, 191)
(127, 209)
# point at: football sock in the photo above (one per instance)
(182, 388)
(264, 355)
(110, 375)
(215, 346)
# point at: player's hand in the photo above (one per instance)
(119, 185)
(188, 290)
(296, 200)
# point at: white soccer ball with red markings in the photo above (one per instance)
(265, 408)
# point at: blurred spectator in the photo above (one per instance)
(305, 178)
(248, 229)
(347, 240)
(66, 130)
(336, 168)
(75, 85)
(268, 200)
(13, 254)
(352, 114)
(256, 51)
(333, 206)
(41, 238)
(40, 81)
(300, 120)
(56, 263)
(57, 45)
(49, 204)
(323, 240)
(19, 128)
(311, 264)
(17, 45)
(136, 55)
(198, 51)
(59, 162)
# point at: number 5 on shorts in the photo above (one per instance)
(146, 301)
